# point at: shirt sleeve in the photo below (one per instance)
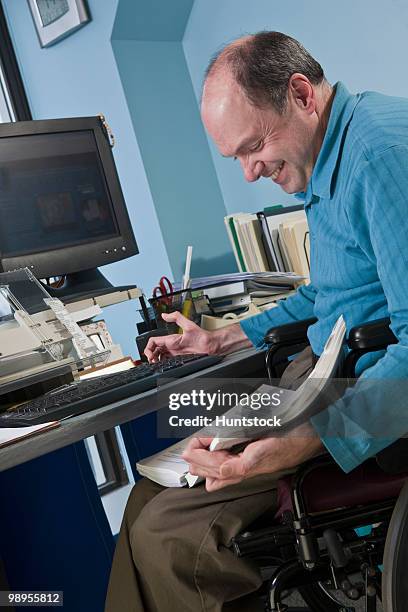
(295, 308)
(374, 413)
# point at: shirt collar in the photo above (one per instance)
(320, 183)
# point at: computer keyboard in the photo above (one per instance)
(85, 395)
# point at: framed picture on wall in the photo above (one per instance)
(55, 19)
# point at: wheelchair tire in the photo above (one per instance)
(317, 599)
(394, 582)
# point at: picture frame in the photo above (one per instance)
(56, 19)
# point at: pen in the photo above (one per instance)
(187, 303)
(186, 277)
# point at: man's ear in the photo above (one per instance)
(301, 91)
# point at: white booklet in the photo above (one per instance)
(169, 469)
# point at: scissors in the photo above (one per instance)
(163, 291)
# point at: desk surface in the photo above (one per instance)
(244, 363)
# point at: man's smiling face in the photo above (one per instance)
(282, 147)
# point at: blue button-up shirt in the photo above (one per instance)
(356, 204)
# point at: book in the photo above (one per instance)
(254, 252)
(296, 406)
(274, 246)
(169, 469)
(233, 236)
(272, 240)
(294, 235)
(245, 234)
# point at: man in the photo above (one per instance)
(267, 104)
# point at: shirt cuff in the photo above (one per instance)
(253, 331)
(347, 442)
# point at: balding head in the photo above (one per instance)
(265, 102)
(227, 56)
(262, 65)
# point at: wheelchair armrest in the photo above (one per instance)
(284, 341)
(371, 336)
(291, 333)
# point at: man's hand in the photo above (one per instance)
(195, 340)
(269, 455)
(192, 340)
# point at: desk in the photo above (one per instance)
(52, 504)
(243, 363)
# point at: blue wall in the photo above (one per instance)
(154, 20)
(363, 43)
(177, 190)
(79, 77)
(146, 39)
(176, 155)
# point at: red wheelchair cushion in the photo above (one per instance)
(328, 487)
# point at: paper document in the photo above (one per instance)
(296, 406)
(269, 278)
(9, 435)
(170, 470)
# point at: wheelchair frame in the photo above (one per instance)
(318, 551)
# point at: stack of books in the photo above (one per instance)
(258, 289)
(276, 239)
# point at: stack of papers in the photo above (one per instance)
(9, 435)
(286, 279)
(236, 291)
(167, 467)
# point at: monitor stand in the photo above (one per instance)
(83, 285)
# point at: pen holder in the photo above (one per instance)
(179, 300)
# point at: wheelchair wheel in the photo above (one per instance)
(394, 582)
(317, 599)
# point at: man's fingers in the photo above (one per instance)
(203, 458)
(201, 461)
(244, 464)
(179, 319)
(234, 468)
(195, 443)
(204, 471)
(161, 341)
(214, 484)
(162, 345)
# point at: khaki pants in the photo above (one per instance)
(172, 553)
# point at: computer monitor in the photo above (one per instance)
(62, 210)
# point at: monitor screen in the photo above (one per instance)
(55, 197)
(62, 209)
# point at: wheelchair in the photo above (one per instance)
(337, 538)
